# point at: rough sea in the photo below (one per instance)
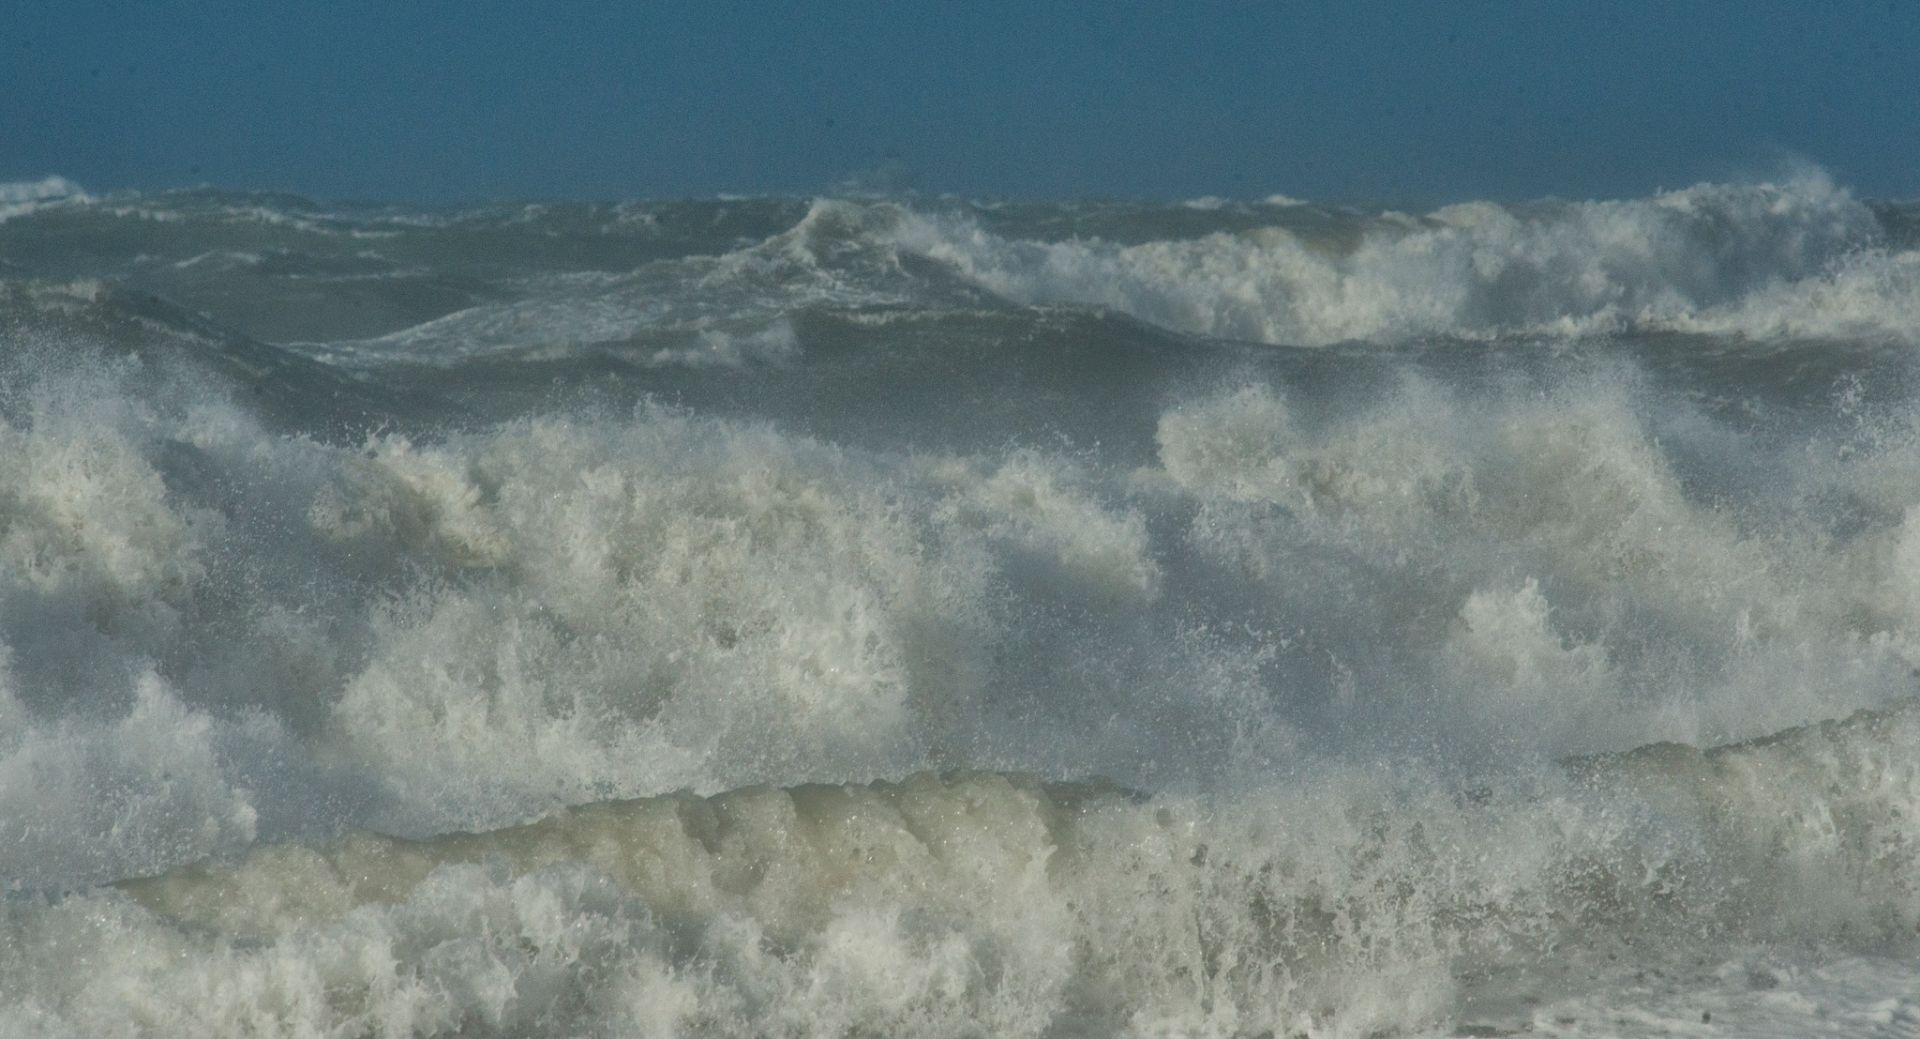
(921, 616)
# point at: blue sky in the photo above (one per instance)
(1411, 103)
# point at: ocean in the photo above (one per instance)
(926, 616)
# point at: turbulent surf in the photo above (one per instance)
(920, 616)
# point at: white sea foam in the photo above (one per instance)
(562, 609)
(1374, 647)
(1799, 256)
(18, 198)
(942, 904)
(1595, 550)
(678, 604)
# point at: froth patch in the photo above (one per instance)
(672, 602)
(1541, 564)
(1869, 294)
(922, 908)
(1348, 904)
(84, 801)
(1045, 509)
(84, 512)
(1525, 672)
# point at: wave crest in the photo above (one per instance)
(1718, 256)
(910, 907)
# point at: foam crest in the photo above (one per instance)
(1344, 907)
(913, 909)
(152, 789)
(1869, 294)
(84, 513)
(689, 603)
(1537, 558)
(1755, 259)
(1044, 508)
(680, 603)
(470, 629)
(18, 198)
(1816, 817)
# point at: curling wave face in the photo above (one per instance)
(937, 618)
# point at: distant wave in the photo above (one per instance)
(708, 281)
(18, 198)
(1799, 257)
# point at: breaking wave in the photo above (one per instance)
(18, 198)
(1002, 903)
(1800, 257)
(792, 617)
